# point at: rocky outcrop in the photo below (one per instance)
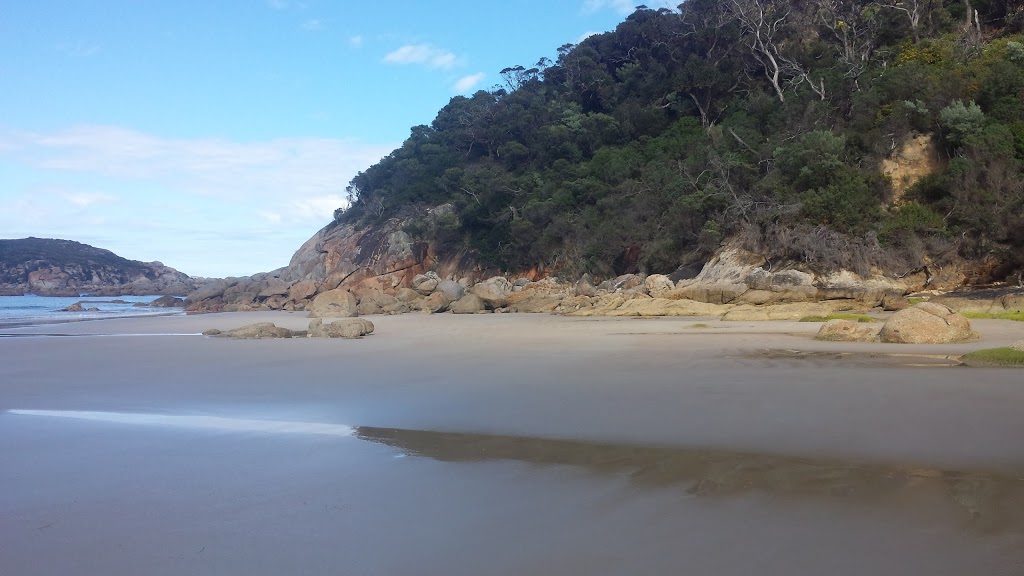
(916, 158)
(167, 301)
(927, 323)
(50, 267)
(791, 311)
(989, 301)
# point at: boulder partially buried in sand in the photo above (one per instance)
(847, 331)
(927, 323)
(348, 328)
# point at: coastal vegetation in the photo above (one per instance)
(995, 357)
(1017, 315)
(767, 123)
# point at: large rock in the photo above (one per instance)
(425, 284)
(493, 291)
(434, 303)
(847, 331)
(657, 284)
(585, 286)
(407, 295)
(452, 289)
(347, 328)
(337, 303)
(927, 323)
(468, 304)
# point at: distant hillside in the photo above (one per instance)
(54, 267)
(872, 136)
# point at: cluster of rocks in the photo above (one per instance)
(346, 328)
(924, 323)
(346, 273)
(734, 285)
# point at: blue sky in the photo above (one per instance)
(218, 136)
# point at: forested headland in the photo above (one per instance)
(854, 135)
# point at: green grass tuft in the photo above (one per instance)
(994, 357)
(854, 317)
(917, 300)
(1017, 315)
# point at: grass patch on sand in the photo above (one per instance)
(1017, 316)
(916, 300)
(700, 325)
(854, 317)
(994, 357)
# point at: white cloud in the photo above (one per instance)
(313, 25)
(425, 54)
(467, 83)
(86, 199)
(278, 4)
(623, 7)
(626, 7)
(356, 41)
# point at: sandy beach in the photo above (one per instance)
(505, 444)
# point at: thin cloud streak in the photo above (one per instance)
(265, 170)
(467, 83)
(425, 54)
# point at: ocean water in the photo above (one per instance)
(30, 309)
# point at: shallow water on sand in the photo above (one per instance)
(205, 494)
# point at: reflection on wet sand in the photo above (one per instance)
(987, 501)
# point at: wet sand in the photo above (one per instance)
(505, 444)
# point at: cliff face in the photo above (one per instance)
(51, 267)
(341, 255)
